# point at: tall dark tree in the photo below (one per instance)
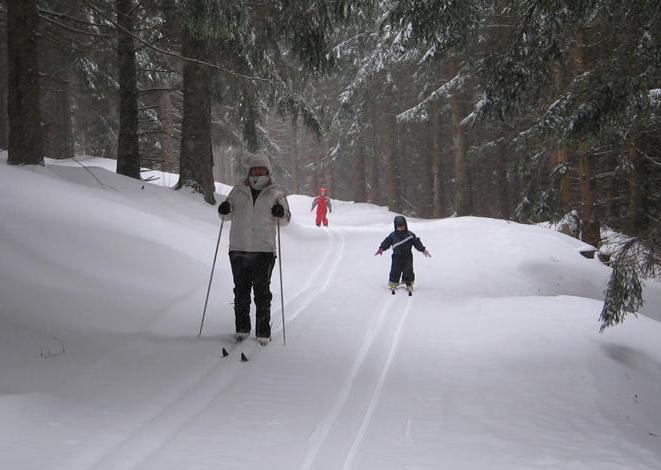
(4, 121)
(128, 158)
(606, 107)
(57, 58)
(252, 46)
(25, 133)
(196, 158)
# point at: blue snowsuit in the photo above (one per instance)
(401, 241)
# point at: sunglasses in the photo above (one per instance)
(258, 171)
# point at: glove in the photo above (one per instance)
(427, 254)
(278, 211)
(224, 208)
(379, 251)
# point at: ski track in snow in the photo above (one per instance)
(157, 430)
(323, 429)
(376, 395)
(311, 295)
(117, 351)
(308, 285)
(182, 410)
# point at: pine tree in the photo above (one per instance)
(25, 134)
(605, 108)
(4, 119)
(128, 156)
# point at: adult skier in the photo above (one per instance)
(323, 205)
(255, 206)
(401, 240)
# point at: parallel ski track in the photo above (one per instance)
(376, 394)
(320, 267)
(323, 428)
(185, 407)
(338, 253)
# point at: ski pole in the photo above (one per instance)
(213, 266)
(282, 299)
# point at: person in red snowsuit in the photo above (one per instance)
(323, 205)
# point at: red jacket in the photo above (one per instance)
(323, 203)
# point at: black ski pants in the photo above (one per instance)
(252, 271)
(401, 269)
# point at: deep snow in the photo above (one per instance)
(495, 363)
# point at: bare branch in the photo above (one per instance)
(73, 30)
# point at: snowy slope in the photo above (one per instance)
(495, 363)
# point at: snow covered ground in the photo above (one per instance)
(495, 363)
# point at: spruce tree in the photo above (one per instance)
(25, 133)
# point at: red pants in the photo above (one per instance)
(321, 219)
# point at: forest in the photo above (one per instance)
(524, 110)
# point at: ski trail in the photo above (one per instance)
(376, 395)
(322, 430)
(315, 274)
(175, 415)
(339, 255)
(171, 417)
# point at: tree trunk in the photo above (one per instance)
(66, 116)
(25, 133)
(590, 229)
(4, 120)
(57, 117)
(372, 189)
(502, 184)
(560, 155)
(636, 192)
(196, 156)
(196, 160)
(437, 191)
(128, 158)
(314, 148)
(589, 222)
(320, 166)
(463, 199)
(4, 136)
(359, 172)
(390, 161)
(327, 166)
(612, 218)
(293, 158)
(168, 158)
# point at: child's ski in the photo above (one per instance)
(409, 289)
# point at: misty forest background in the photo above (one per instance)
(522, 110)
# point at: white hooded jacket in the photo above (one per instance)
(253, 227)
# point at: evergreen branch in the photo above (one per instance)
(176, 54)
(371, 65)
(418, 112)
(624, 293)
(338, 47)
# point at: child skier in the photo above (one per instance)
(323, 204)
(401, 241)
